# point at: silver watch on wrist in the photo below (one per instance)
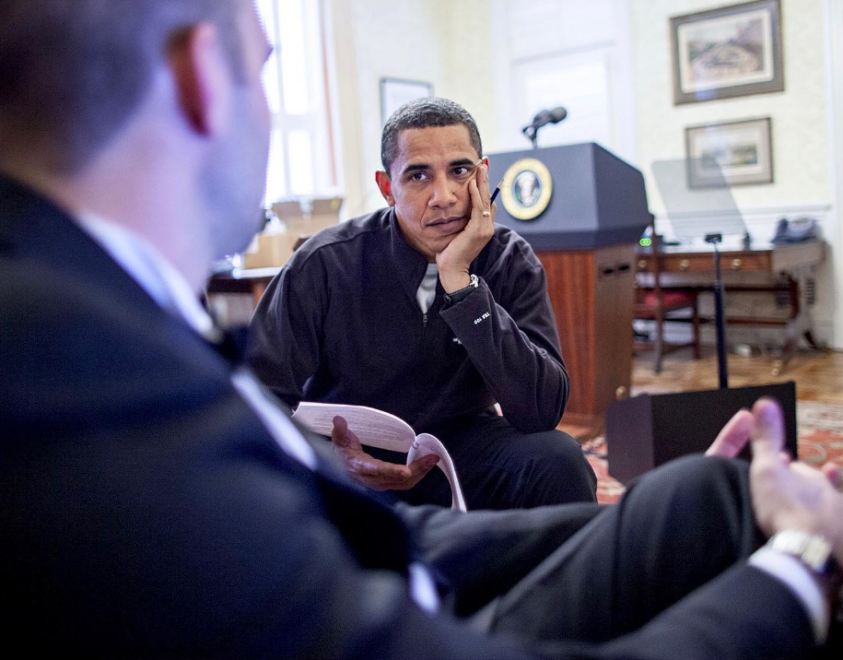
(810, 549)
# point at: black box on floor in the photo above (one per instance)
(651, 429)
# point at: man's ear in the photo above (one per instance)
(385, 186)
(203, 79)
(486, 161)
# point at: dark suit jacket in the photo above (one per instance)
(145, 511)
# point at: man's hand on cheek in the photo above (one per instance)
(455, 260)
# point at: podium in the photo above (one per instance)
(590, 209)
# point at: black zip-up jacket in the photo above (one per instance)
(340, 324)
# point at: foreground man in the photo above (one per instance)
(428, 310)
(155, 503)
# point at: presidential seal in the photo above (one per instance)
(526, 189)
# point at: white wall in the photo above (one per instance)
(570, 53)
(834, 51)
(800, 125)
(469, 75)
(799, 114)
(461, 47)
(453, 44)
(443, 42)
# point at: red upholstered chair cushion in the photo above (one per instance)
(669, 298)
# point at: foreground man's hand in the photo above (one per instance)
(789, 495)
(734, 436)
(369, 471)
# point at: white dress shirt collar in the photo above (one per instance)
(151, 270)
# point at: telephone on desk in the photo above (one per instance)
(796, 231)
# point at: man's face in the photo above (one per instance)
(428, 185)
(235, 178)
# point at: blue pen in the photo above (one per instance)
(497, 187)
(495, 192)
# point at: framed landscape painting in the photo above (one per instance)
(729, 154)
(727, 52)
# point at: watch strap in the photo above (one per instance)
(455, 296)
(811, 549)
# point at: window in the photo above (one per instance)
(300, 160)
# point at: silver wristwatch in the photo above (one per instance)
(455, 296)
(812, 550)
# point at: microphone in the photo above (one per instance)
(546, 117)
(543, 118)
(558, 114)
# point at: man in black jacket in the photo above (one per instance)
(155, 502)
(428, 310)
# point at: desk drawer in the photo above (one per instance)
(735, 262)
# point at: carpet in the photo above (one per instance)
(819, 426)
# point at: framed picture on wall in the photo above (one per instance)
(396, 92)
(733, 153)
(727, 52)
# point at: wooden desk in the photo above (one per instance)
(763, 268)
(242, 280)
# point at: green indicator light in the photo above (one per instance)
(645, 242)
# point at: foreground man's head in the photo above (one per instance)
(149, 113)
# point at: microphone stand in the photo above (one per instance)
(719, 314)
(532, 134)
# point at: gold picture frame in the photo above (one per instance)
(727, 52)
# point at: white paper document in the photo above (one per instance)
(377, 428)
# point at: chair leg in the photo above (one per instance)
(659, 341)
(696, 325)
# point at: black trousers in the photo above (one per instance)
(501, 467)
(590, 574)
(674, 531)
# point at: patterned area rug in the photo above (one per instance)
(820, 428)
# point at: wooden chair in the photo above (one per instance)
(657, 304)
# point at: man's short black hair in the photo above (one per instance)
(429, 112)
(73, 72)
